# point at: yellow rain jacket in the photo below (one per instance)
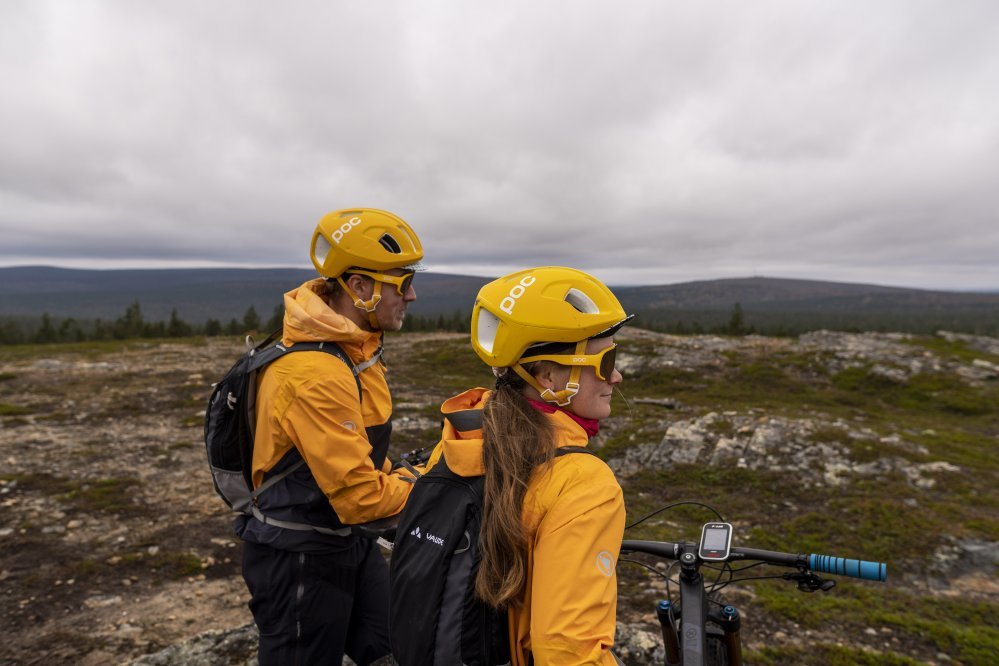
(574, 519)
(308, 408)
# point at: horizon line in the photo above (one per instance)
(981, 290)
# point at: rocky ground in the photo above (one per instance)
(115, 547)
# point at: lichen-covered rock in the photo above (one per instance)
(235, 647)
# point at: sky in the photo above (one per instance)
(647, 142)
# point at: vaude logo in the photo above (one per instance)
(430, 537)
(506, 305)
(345, 228)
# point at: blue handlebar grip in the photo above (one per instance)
(844, 567)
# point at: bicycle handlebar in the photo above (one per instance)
(854, 568)
(876, 571)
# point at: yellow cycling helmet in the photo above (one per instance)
(540, 306)
(364, 238)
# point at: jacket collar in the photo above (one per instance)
(461, 440)
(308, 317)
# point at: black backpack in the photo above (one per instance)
(230, 421)
(435, 616)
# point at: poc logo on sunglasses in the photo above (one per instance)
(506, 305)
(345, 228)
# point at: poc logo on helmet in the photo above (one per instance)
(506, 305)
(345, 228)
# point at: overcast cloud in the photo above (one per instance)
(647, 142)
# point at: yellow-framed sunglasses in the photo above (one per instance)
(602, 362)
(401, 282)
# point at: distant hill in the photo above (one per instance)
(781, 305)
(762, 293)
(768, 304)
(198, 294)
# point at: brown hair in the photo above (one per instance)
(333, 288)
(516, 439)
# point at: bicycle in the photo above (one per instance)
(693, 633)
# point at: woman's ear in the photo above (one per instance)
(546, 374)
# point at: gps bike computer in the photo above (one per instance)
(716, 538)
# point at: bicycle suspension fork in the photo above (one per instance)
(665, 613)
(728, 619)
(690, 639)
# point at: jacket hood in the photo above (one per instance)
(307, 317)
(461, 441)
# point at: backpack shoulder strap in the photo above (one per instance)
(261, 357)
(465, 420)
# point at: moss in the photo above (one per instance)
(824, 654)
(986, 527)
(406, 441)
(92, 348)
(862, 527)
(13, 410)
(870, 450)
(114, 495)
(85, 568)
(193, 420)
(174, 564)
(922, 392)
(7, 376)
(961, 627)
(622, 439)
(961, 445)
(744, 495)
(957, 349)
(829, 434)
(32, 481)
(722, 427)
(438, 368)
(662, 382)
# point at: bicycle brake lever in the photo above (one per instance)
(809, 582)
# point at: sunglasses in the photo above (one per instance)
(602, 362)
(401, 282)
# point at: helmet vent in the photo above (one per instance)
(322, 250)
(487, 325)
(390, 244)
(581, 302)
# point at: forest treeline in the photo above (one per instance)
(132, 324)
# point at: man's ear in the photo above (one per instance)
(360, 286)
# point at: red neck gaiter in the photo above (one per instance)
(591, 426)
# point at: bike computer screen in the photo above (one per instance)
(716, 538)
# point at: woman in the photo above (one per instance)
(552, 524)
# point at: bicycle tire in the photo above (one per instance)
(715, 651)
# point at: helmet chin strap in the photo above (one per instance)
(563, 397)
(366, 305)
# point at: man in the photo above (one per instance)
(317, 590)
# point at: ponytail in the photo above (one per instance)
(516, 439)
